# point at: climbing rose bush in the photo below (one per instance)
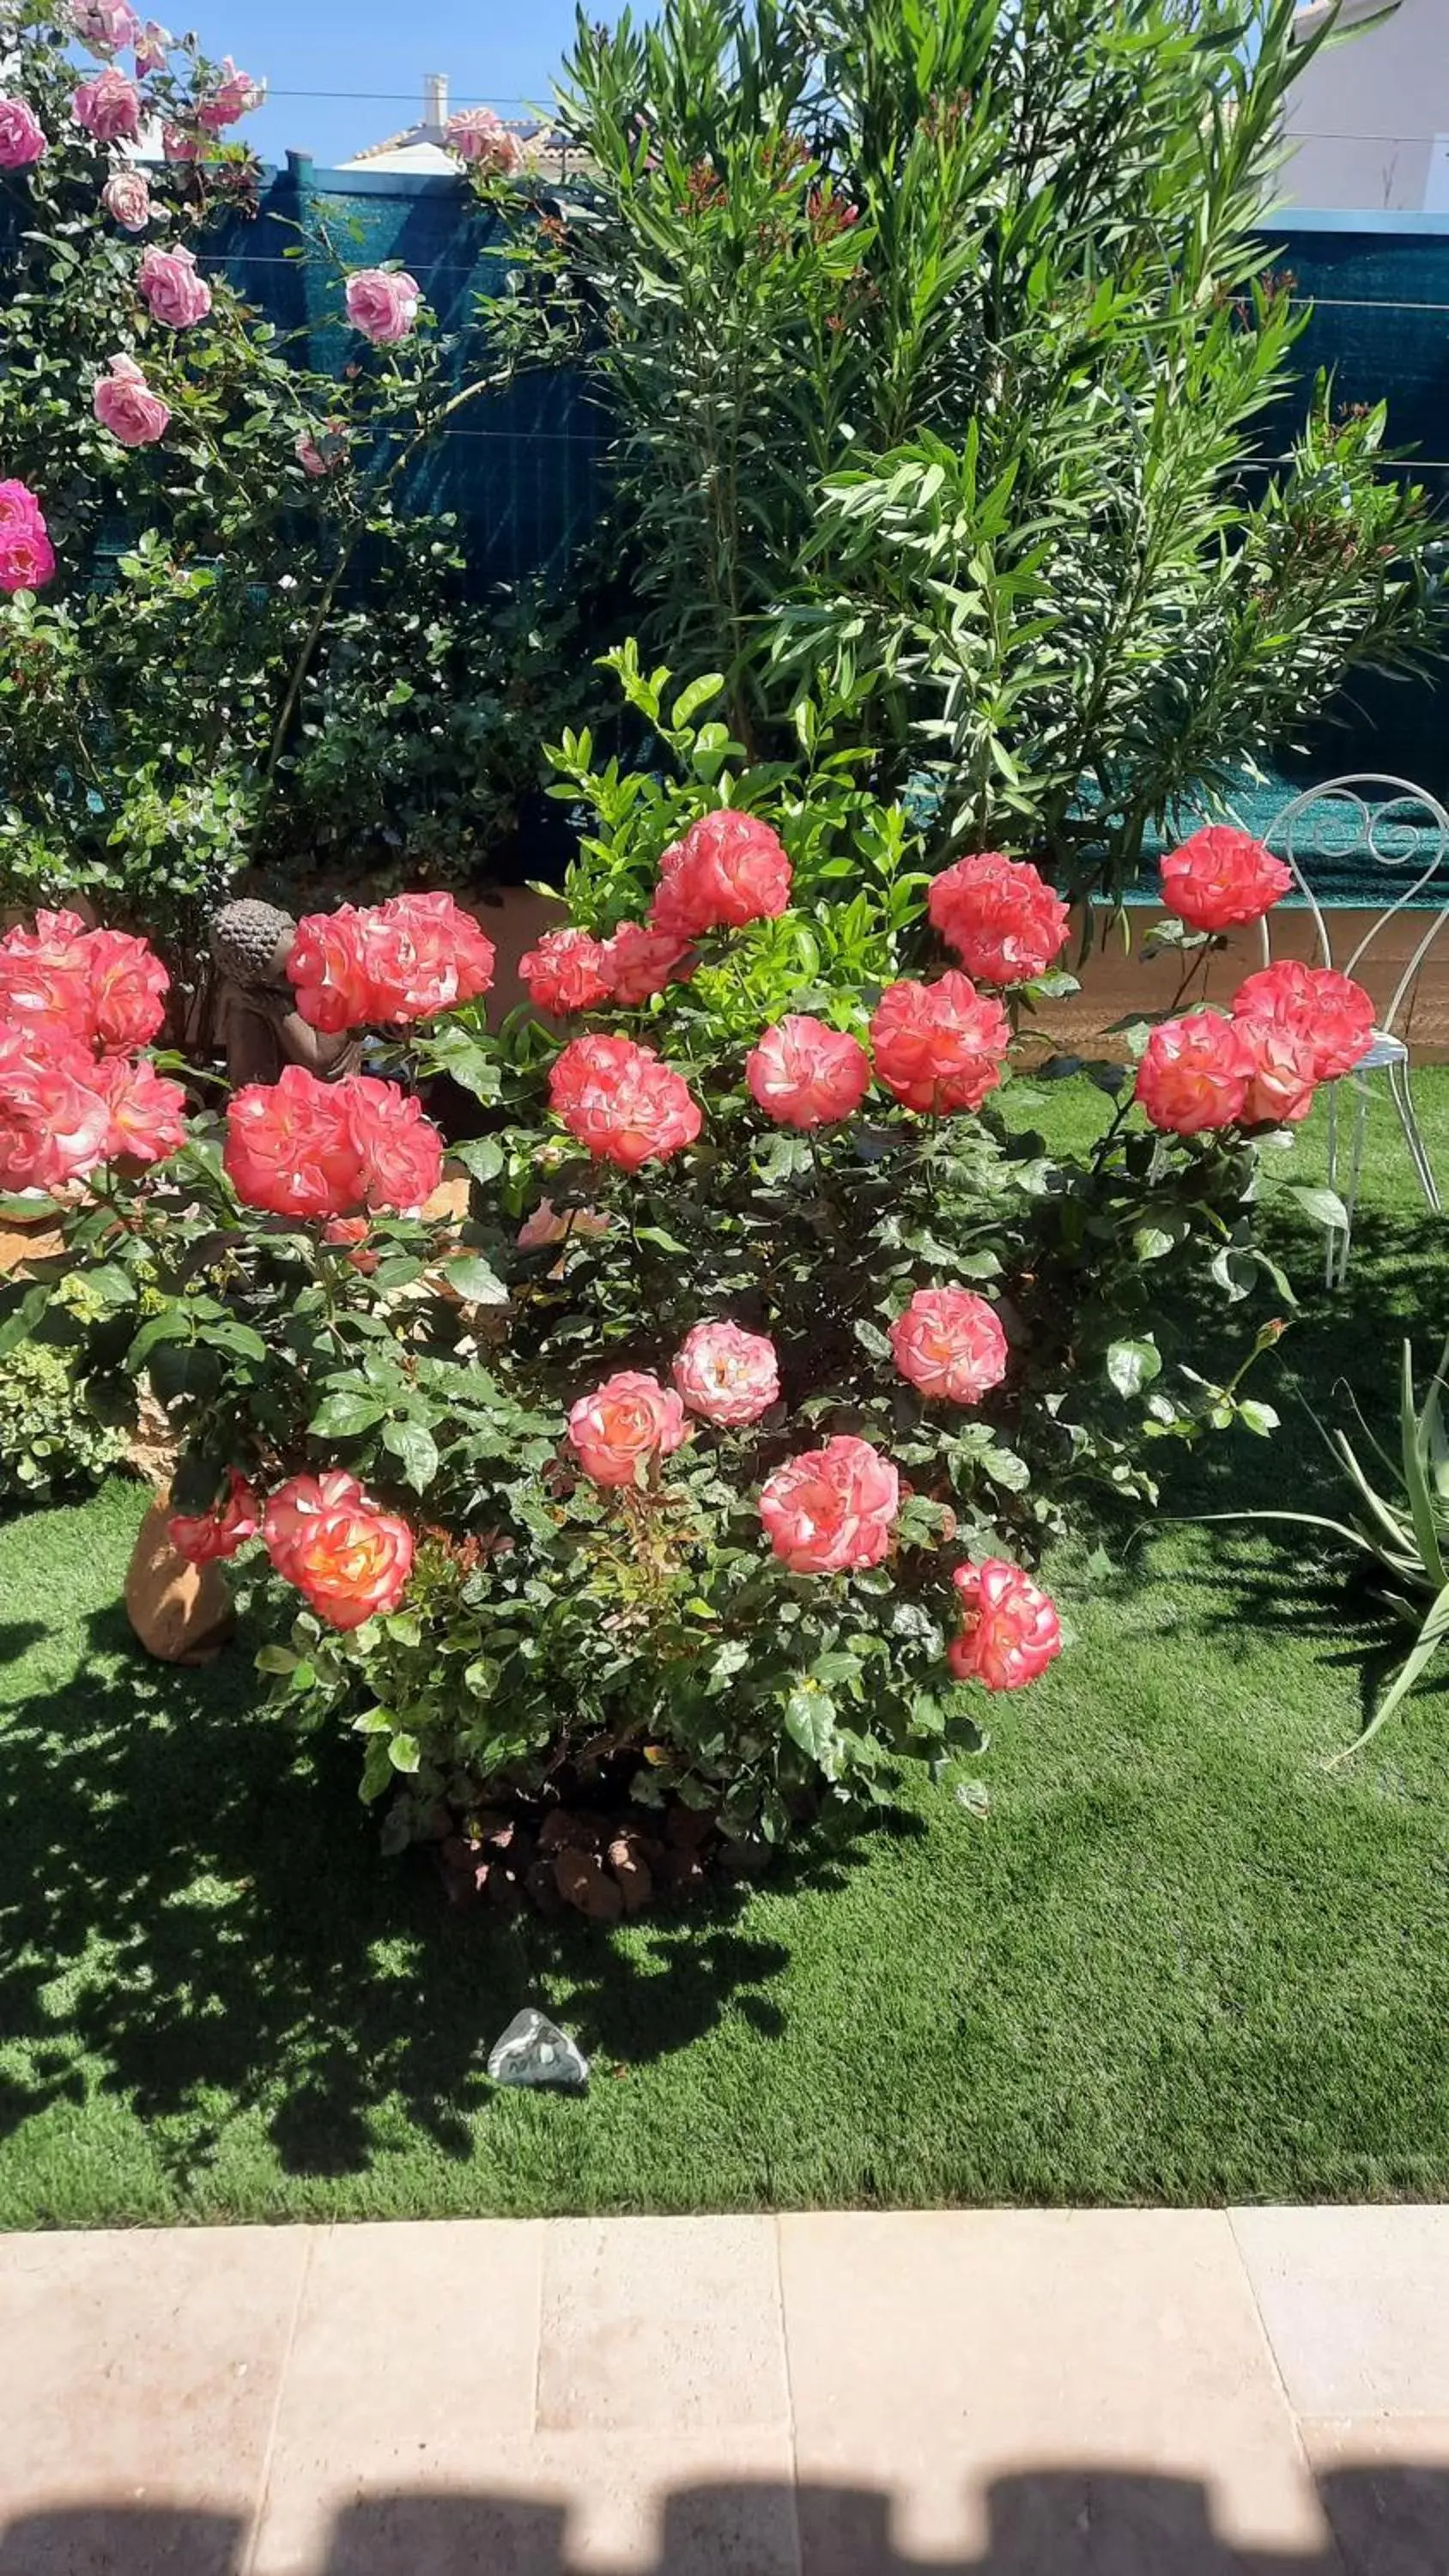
(705, 1415)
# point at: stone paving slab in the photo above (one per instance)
(1013, 2393)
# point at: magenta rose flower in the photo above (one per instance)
(173, 292)
(949, 1343)
(27, 557)
(126, 197)
(831, 1510)
(22, 139)
(109, 107)
(124, 404)
(726, 1375)
(382, 303)
(626, 1424)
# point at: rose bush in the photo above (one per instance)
(713, 1446)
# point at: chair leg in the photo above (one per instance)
(1403, 1100)
(1339, 1244)
(1331, 1250)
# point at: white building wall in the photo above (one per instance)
(1367, 125)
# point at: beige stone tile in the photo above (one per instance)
(669, 2325)
(571, 2504)
(139, 2374)
(415, 2357)
(1356, 2304)
(1052, 2390)
(1384, 2483)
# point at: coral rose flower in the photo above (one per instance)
(1002, 918)
(1194, 1074)
(173, 292)
(382, 303)
(124, 404)
(1283, 1083)
(939, 1046)
(805, 1074)
(1011, 1631)
(54, 1122)
(729, 869)
(549, 1225)
(109, 107)
(148, 1113)
(126, 197)
(831, 1510)
(349, 1234)
(620, 1101)
(949, 1343)
(348, 1557)
(1222, 877)
(625, 1425)
(22, 136)
(726, 1375)
(288, 1147)
(45, 984)
(424, 954)
(399, 1152)
(128, 989)
(639, 962)
(327, 964)
(234, 1518)
(1333, 1013)
(565, 972)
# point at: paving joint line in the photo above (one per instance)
(1310, 2480)
(264, 2475)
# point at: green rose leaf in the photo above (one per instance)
(1133, 1365)
(474, 1282)
(416, 1451)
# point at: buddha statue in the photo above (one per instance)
(256, 1026)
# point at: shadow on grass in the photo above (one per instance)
(194, 1903)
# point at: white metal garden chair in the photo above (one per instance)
(1389, 824)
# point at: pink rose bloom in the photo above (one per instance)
(726, 1375)
(549, 1225)
(1284, 1081)
(328, 966)
(234, 97)
(1194, 1074)
(27, 557)
(151, 42)
(950, 1344)
(22, 138)
(399, 1151)
(424, 954)
(939, 1046)
(564, 973)
(1222, 877)
(805, 1074)
(348, 1558)
(54, 1122)
(124, 404)
(382, 303)
(126, 197)
(45, 984)
(620, 1101)
(173, 292)
(317, 460)
(128, 986)
(109, 107)
(1333, 1013)
(148, 1113)
(640, 962)
(180, 146)
(236, 1516)
(626, 1424)
(728, 870)
(482, 140)
(1011, 1631)
(1002, 918)
(831, 1510)
(103, 26)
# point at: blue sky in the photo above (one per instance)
(498, 51)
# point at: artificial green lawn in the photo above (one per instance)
(1178, 1960)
